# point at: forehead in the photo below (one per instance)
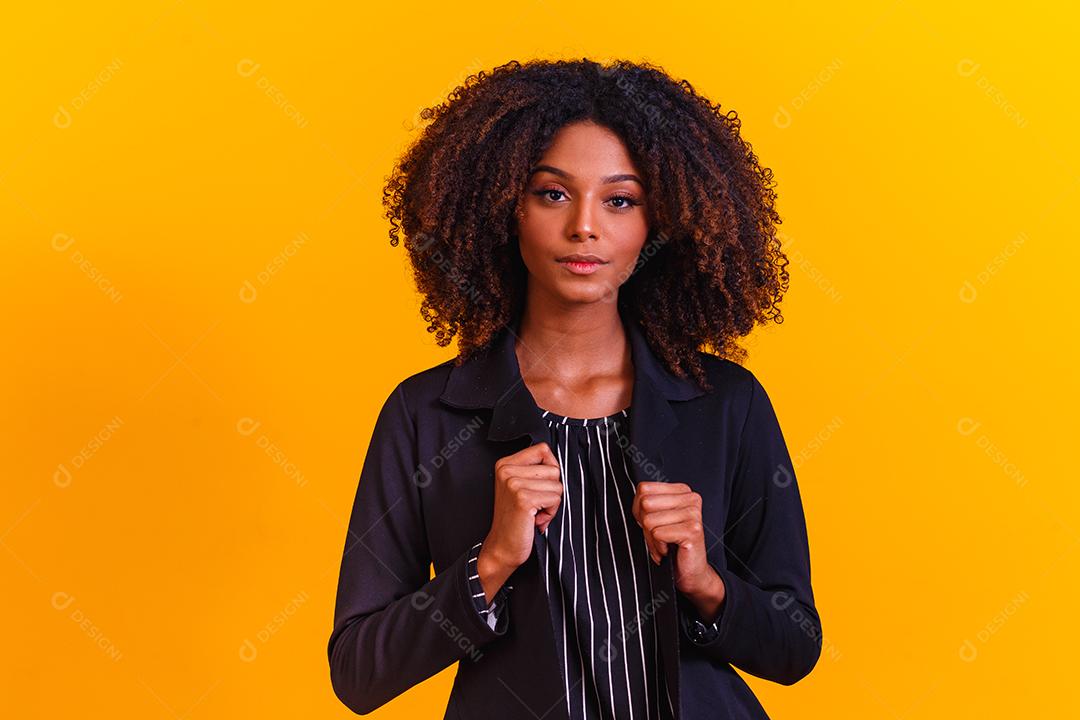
(587, 151)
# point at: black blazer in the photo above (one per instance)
(425, 495)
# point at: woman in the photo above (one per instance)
(586, 231)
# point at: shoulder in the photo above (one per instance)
(737, 392)
(728, 377)
(407, 404)
(739, 396)
(423, 387)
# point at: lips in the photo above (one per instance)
(582, 258)
(581, 267)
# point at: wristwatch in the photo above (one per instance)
(702, 633)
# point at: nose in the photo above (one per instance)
(582, 220)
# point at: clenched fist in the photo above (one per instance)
(670, 515)
(528, 492)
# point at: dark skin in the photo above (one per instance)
(584, 196)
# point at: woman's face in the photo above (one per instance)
(584, 197)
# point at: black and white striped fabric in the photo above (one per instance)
(497, 612)
(595, 568)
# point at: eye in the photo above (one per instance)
(626, 200)
(545, 194)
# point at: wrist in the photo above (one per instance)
(493, 572)
(708, 598)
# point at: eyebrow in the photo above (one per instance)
(604, 180)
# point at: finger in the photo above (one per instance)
(547, 512)
(641, 491)
(531, 472)
(653, 546)
(548, 457)
(514, 485)
(670, 501)
(685, 517)
(638, 513)
(532, 455)
(656, 548)
(550, 515)
(659, 550)
(517, 485)
(537, 502)
(653, 520)
(544, 518)
(684, 534)
(657, 495)
(652, 487)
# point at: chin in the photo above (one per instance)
(584, 296)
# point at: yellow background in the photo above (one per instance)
(203, 314)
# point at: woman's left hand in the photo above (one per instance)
(670, 515)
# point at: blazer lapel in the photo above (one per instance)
(652, 422)
(493, 379)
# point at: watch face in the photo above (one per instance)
(702, 632)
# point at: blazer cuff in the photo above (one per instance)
(496, 614)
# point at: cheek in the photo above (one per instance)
(537, 224)
(632, 246)
(535, 234)
(625, 265)
(530, 243)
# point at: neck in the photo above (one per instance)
(585, 340)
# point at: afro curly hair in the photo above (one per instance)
(714, 266)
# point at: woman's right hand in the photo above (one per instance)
(528, 492)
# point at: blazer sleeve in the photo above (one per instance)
(768, 624)
(395, 626)
(497, 612)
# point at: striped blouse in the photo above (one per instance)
(595, 569)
